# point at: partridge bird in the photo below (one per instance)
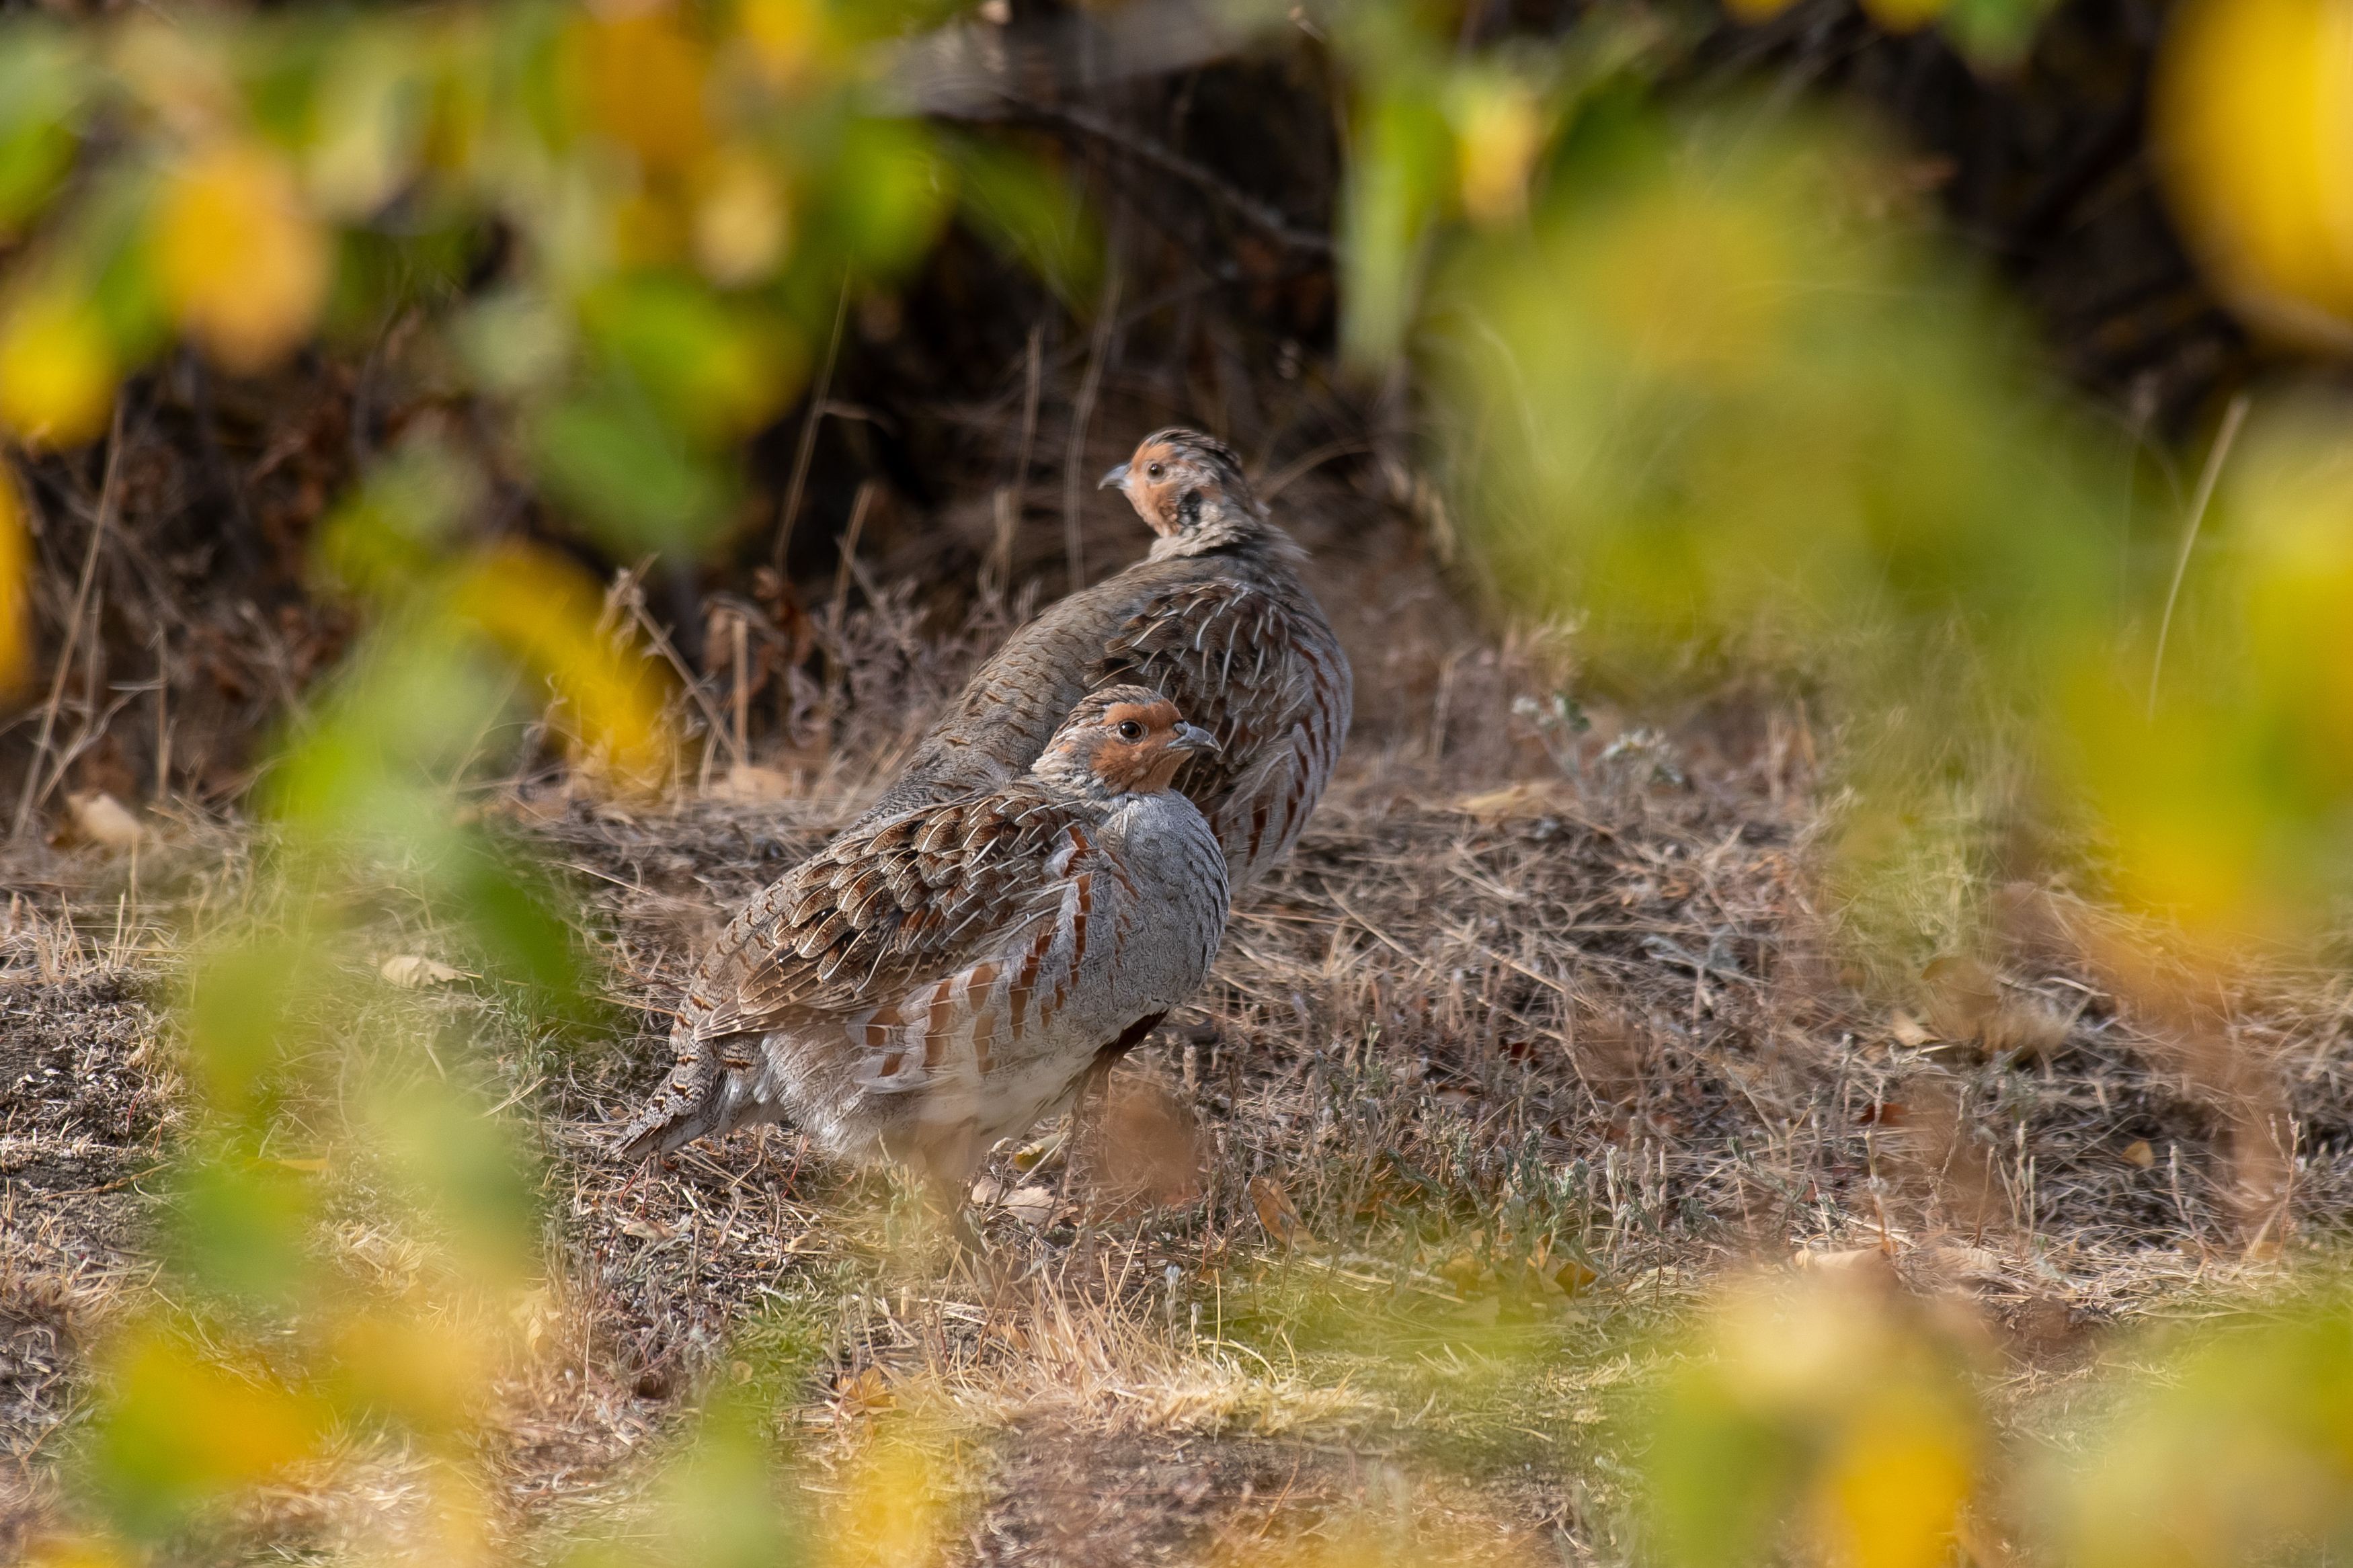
(941, 978)
(1215, 618)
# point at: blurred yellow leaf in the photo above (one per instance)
(242, 265)
(741, 221)
(180, 1428)
(177, 73)
(1893, 1488)
(1904, 15)
(1835, 1406)
(365, 139)
(2292, 498)
(2239, 1452)
(542, 611)
(641, 75)
(431, 1370)
(77, 1551)
(58, 370)
(2252, 119)
(784, 35)
(1694, 287)
(1499, 128)
(893, 1510)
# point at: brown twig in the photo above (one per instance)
(2216, 456)
(32, 796)
(1074, 461)
(1010, 497)
(806, 451)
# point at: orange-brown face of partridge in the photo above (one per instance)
(1178, 479)
(1123, 740)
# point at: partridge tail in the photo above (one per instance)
(702, 1095)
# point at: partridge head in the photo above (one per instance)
(1121, 740)
(1188, 488)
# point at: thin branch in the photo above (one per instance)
(2216, 456)
(1074, 461)
(807, 450)
(1264, 216)
(1010, 497)
(34, 792)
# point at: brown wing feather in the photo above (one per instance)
(876, 913)
(1267, 680)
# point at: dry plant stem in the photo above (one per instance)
(162, 714)
(32, 796)
(645, 623)
(2216, 456)
(839, 605)
(1292, 472)
(1010, 497)
(739, 656)
(1074, 461)
(807, 450)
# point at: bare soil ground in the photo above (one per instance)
(1522, 1048)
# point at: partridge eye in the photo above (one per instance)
(1153, 470)
(1129, 729)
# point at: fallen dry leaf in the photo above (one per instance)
(1276, 1212)
(647, 1229)
(1514, 801)
(2139, 1155)
(749, 782)
(1034, 1207)
(1854, 1262)
(1907, 1030)
(2028, 1027)
(1574, 1278)
(104, 820)
(413, 973)
(1463, 1271)
(1963, 996)
(1959, 1265)
(863, 1392)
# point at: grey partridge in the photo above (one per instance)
(944, 977)
(1215, 617)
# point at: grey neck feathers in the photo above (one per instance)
(1221, 525)
(1071, 775)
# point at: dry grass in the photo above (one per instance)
(1506, 1064)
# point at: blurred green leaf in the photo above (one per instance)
(2242, 1454)
(1031, 212)
(42, 85)
(714, 369)
(513, 914)
(242, 1225)
(635, 482)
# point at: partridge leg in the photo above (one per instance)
(1094, 1089)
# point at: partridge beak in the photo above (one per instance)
(1193, 738)
(1114, 481)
